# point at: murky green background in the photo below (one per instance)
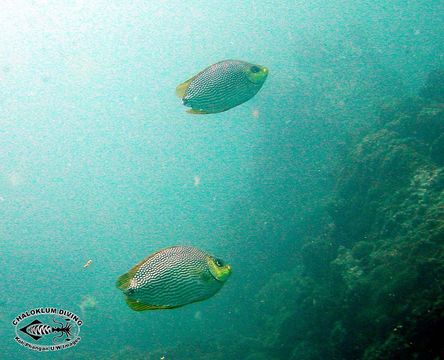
(98, 160)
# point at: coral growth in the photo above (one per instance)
(372, 288)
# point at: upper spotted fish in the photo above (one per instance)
(222, 86)
(173, 277)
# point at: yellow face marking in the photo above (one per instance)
(257, 77)
(220, 273)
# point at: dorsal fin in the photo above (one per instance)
(124, 281)
(182, 88)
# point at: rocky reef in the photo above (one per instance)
(372, 287)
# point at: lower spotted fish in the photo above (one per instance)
(173, 277)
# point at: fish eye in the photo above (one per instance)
(219, 262)
(255, 69)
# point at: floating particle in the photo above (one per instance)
(88, 303)
(198, 315)
(15, 179)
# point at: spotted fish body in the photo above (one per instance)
(173, 277)
(222, 86)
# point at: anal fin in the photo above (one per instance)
(138, 306)
(197, 112)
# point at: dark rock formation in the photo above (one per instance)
(373, 286)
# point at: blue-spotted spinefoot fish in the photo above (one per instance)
(222, 86)
(173, 277)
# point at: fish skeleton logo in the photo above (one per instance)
(47, 329)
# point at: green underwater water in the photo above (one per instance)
(324, 192)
